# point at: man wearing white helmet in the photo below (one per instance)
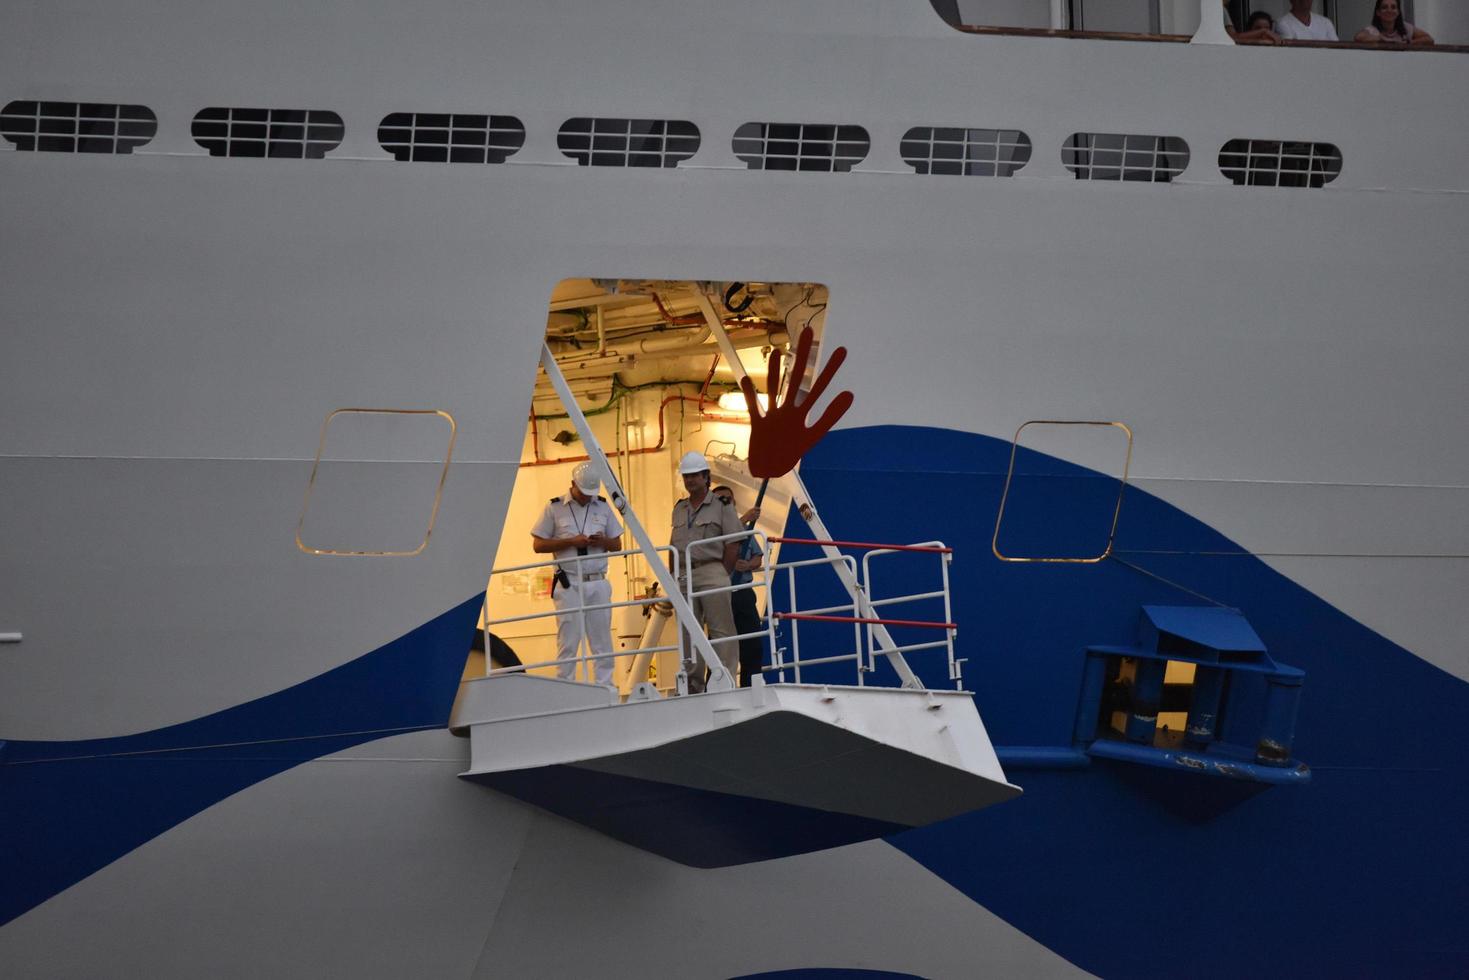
(699, 516)
(581, 523)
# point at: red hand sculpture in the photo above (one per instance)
(780, 437)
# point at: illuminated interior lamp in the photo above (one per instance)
(734, 401)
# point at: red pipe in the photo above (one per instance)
(693, 320)
(705, 390)
(662, 435)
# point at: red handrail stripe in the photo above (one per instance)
(865, 619)
(866, 544)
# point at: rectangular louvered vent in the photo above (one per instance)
(442, 137)
(77, 127)
(1273, 163)
(801, 146)
(628, 142)
(299, 134)
(965, 152)
(1124, 156)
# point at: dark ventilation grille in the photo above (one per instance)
(298, 134)
(440, 137)
(966, 152)
(1269, 163)
(628, 142)
(1124, 156)
(77, 127)
(801, 146)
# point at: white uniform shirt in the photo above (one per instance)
(1320, 29)
(563, 517)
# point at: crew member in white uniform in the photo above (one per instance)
(580, 523)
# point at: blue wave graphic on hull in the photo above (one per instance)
(1123, 870)
(72, 808)
(1131, 871)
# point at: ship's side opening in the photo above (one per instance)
(646, 371)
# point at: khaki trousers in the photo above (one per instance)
(715, 613)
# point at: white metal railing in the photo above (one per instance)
(945, 556)
(778, 662)
(869, 613)
(582, 658)
(871, 638)
(761, 581)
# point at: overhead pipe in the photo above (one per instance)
(664, 343)
(768, 337)
(704, 389)
(657, 343)
(537, 460)
(660, 348)
(688, 320)
(681, 341)
(600, 299)
(617, 322)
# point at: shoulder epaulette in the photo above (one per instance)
(601, 498)
(555, 500)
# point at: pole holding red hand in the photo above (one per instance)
(781, 435)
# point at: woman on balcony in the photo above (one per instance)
(1388, 27)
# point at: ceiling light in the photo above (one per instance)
(734, 401)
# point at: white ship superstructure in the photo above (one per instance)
(227, 752)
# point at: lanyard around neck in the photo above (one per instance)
(571, 509)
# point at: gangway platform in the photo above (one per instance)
(730, 777)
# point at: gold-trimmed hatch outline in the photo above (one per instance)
(438, 491)
(1010, 474)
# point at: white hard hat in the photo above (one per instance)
(693, 462)
(586, 479)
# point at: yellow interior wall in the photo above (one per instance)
(653, 486)
(650, 480)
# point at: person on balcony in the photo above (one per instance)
(581, 523)
(1259, 29)
(700, 516)
(746, 609)
(1299, 24)
(1388, 27)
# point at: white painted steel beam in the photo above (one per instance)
(719, 678)
(813, 519)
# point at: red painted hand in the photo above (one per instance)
(781, 436)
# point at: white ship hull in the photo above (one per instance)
(176, 327)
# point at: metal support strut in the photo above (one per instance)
(848, 579)
(719, 678)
